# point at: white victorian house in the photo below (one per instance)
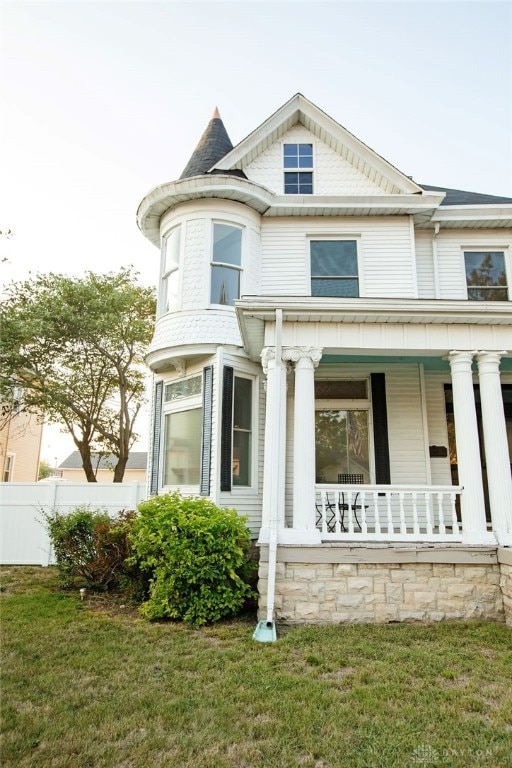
(332, 358)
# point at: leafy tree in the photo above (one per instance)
(76, 347)
(44, 470)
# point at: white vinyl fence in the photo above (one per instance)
(23, 536)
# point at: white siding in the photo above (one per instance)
(451, 245)
(333, 175)
(425, 264)
(386, 263)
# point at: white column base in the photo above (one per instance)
(479, 538)
(504, 539)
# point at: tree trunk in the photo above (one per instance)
(119, 469)
(85, 453)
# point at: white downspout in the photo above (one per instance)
(437, 288)
(275, 495)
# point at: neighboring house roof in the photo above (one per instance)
(136, 460)
(461, 197)
(212, 146)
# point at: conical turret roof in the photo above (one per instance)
(212, 146)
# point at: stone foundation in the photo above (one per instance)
(318, 585)
(505, 561)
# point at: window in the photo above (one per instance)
(178, 390)
(486, 276)
(226, 264)
(8, 467)
(182, 432)
(298, 165)
(342, 430)
(170, 267)
(242, 431)
(182, 447)
(334, 269)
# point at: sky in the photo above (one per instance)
(102, 101)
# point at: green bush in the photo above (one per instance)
(197, 554)
(91, 548)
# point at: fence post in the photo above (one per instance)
(134, 495)
(46, 545)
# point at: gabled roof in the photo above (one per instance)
(461, 197)
(212, 146)
(300, 110)
(136, 460)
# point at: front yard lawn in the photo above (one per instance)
(90, 684)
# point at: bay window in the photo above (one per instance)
(170, 271)
(226, 265)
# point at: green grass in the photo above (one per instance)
(86, 687)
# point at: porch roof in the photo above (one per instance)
(254, 312)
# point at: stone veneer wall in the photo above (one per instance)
(505, 561)
(378, 592)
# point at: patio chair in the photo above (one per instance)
(351, 479)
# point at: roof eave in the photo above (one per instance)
(289, 114)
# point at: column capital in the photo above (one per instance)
(489, 362)
(296, 354)
(460, 360)
(268, 354)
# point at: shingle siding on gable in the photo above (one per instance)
(332, 174)
(386, 255)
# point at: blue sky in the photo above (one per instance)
(101, 101)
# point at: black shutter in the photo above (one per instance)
(206, 444)
(380, 429)
(226, 429)
(157, 429)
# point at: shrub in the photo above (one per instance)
(91, 547)
(198, 557)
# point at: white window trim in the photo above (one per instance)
(298, 170)
(337, 238)
(212, 263)
(162, 288)
(479, 248)
(245, 490)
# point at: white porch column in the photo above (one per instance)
(474, 526)
(304, 530)
(275, 442)
(496, 446)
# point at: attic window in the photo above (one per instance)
(298, 169)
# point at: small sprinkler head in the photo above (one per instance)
(82, 593)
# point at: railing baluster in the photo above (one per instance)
(428, 512)
(324, 512)
(364, 527)
(403, 527)
(401, 512)
(350, 513)
(391, 528)
(455, 522)
(442, 527)
(337, 516)
(415, 524)
(376, 512)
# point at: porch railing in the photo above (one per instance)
(388, 513)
